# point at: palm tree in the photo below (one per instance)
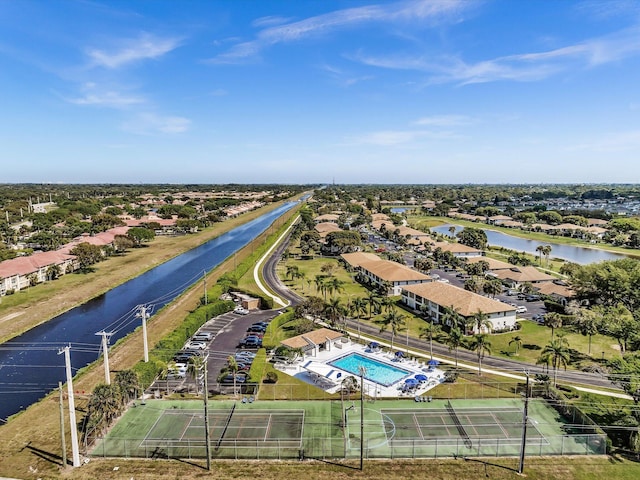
(334, 285)
(128, 384)
(388, 304)
(546, 251)
(518, 342)
(481, 321)
(480, 344)
(452, 231)
(194, 367)
(334, 310)
(553, 320)
(455, 338)
(320, 285)
(374, 301)
(540, 249)
(428, 332)
(394, 320)
(587, 322)
(492, 287)
(557, 353)
(450, 316)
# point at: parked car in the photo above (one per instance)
(246, 353)
(251, 342)
(229, 378)
(241, 310)
(257, 329)
(203, 337)
(538, 317)
(532, 298)
(260, 324)
(521, 309)
(196, 345)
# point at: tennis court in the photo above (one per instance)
(332, 429)
(261, 428)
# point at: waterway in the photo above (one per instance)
(572, 253)
(31, 366)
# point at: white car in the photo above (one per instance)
(196, 345)
(202, 337)
(521, 309)
(241, 310)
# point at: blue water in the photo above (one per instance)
(375, 371)
(572, 253)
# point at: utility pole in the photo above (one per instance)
(205, 287)
(62, 438)
(142, 313)
(206, 414)
(525, 417)
(105, 352)
(362, 372)
(72, 408)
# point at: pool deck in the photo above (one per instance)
(317, 371)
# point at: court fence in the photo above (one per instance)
(331, 448)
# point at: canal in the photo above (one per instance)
(571, 253)
(30, 364)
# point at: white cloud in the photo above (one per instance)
(388, 138)
(523, 67)
(94, 96)
(412, 10)
(445, 121)
(269, 21)
(151, 123)
(143, 47)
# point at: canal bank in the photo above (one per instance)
(34, 306)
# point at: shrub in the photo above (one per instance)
(271, 377)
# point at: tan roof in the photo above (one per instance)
(512, 223)
(550, 288)
(404, 231)
(455, 247)
(500, 217)
(597, 230)
(392, 271)
(384, 269)
(388, 224)
(326, 227)
(493, 263)
(466, 303)
(593, 222)
(523, 274)
(315, 337)
(356, 258)
(379, 216)
(329, 217)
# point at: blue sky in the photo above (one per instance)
(451, 91)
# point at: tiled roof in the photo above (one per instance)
(523, 274)
(466, 303)
(315, 337)
(493, 263)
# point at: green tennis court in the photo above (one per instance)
(262, 428)
(334, 429)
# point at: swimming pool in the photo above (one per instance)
(376, 371)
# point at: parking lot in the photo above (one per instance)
(226, 331)
(534, 308)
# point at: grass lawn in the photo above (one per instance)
(535, 337)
